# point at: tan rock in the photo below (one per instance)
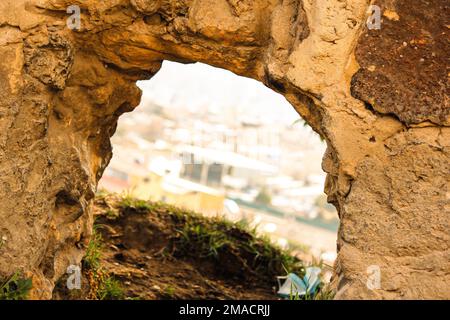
(385, 120)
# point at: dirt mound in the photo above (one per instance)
(154, 251)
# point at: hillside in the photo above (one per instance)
(143, 250)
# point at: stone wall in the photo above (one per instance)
(378, 97)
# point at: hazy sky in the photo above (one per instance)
(198, 85)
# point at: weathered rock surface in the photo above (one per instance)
(378, 97)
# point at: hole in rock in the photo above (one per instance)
(210, 141)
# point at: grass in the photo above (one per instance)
(208, 238)
(207, 241)
(103, 286)
(128, 202)
(15, 288)
(125, 201)
(324, 294)
(263, 247)
(110, 289)
(170, 292)
(93, 254)
(204, 237)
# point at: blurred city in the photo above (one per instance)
(210, 141)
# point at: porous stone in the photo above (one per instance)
(378, 97)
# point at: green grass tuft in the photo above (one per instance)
(15, 288)
(208, 237)
(129, 202)
(206, 240)
(102, 285)
(110, 289)
(93, 254)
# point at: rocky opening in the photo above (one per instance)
(63, 90)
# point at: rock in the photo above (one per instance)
(385, 119)
(147, 7)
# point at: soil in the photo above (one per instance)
(142, 249)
